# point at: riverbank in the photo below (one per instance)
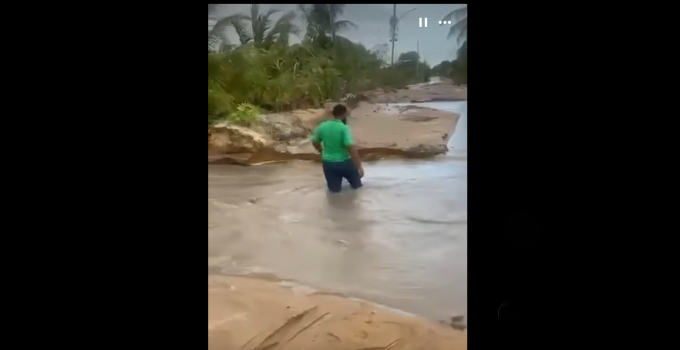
(249, 313)
(436, 91)
(380, 130)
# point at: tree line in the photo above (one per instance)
(263, 71)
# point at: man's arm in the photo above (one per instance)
(352, 149)
(316, 140)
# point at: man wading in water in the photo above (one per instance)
(339, 155)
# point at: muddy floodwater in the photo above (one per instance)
(400, 241)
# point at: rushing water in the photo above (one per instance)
(400, 241)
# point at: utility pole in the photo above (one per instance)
(394, 30)
(394, 23)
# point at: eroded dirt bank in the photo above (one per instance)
(248, 313)
(380, 131)
(443, 91)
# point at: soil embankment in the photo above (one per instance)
(443, 91)
(380, 130)
(248, 313)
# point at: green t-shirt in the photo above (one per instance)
(334, 136)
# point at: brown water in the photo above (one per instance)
(400, 241)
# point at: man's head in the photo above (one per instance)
(340, 113)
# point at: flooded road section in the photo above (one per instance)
(400, 241)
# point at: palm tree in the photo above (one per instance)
(217, 31)
(261, 32)
(460, 26)
(319, 18)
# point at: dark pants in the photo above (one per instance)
(336, 171)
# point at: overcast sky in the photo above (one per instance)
(373, 21)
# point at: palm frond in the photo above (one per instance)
(225, 22)
(286, 24)
(459, 16)
(283, 28)
(218, 30)
(286, 19)
(254, 11)
(461, 28)
(212, 42)
(242, 31)
(260, 25)
(305, 10)
(462, 36)
(344, 24)
(265, 25)
(456, 15)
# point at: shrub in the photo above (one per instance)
(245, 114)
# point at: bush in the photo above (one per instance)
(282, 77)
(245, 114)
(459, 67)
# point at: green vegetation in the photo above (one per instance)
(459, 66)
(459, 16)
(456, 70)
(245, 114)
(265, 72)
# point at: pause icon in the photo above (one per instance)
(420, 22)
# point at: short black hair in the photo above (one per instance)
(339, 110)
